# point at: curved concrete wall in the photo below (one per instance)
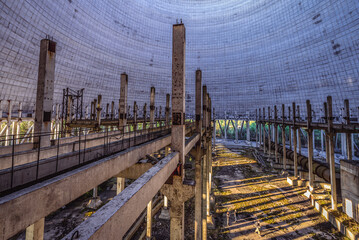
(252, 53)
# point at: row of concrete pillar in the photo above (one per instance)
(264, 138)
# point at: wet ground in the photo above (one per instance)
(251, 193)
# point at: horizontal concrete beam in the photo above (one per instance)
(114, 219)
(21, 209)
(191, 142)
(135, 171)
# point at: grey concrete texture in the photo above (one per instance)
(251, 53)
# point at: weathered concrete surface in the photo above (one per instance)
(45, 92)
(128, 205)
(135, 171)
(349, 172)
(22, 208)
(258, 193)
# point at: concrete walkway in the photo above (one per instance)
(255, 193)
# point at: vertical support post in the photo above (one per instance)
(260, 128)
(45, 92)
(264, 130)
(152, 107)
(149, 221)
(334, 198)
(107, 111)
(269, 133)
(36, 230)
(167, 109)
(248, 135)
(283, 140)
(349, 148)
(256, 128)
(205, 166)
(310, 146)
(99, 109)
(112, 110)
(327, 147)
(135, 108)
(276, 134)
(298, 133)
(121, 184)
(225, 125)
(123, 101)
(289, 128)
(198, 166)
(295, 142)
(8, 124)
(178, 121)
(144, 116)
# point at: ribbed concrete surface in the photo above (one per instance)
(252, 53)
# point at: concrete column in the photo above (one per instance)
(107, 116)
(122, 111)
(8, 125)
(178, 122)
(299, 132)
(276, 134)
(295, 142)
(167, 110)
(334, 198)
(313, 139)
(214, 129)
(248, 131)
(348, 136)
(198, 157)
(310, 146)
(135, 108)
(283, 140)
(99, 110)
(260, 128)
(144, 116)
(322, 140)
(121, 184)
(225, 125)
(112, 110)
(235, 130)
(45, 92)
(256, 128)
(205, 172)
(36, 230)
(149, 221)
(289, 132)
(327, 150)
(264, 131)
(269, 132)
(152, 107)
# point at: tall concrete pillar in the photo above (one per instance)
(334, 198)
(122, 111)
(36, 230)
(8, 137)
(205, 166)
(214, 128)
(18, 123)
(289, 132)
(45, 92)
(264, 131)
(322, 140)
(198, 166)
(152, 107)
(276, 134)
(283, 139)
(135, 108)
(298, 133)
(260, 128)
(225, 125)
(310, 146)
(144, 116)
(149, 221)
(269, 133)
(248, 131)
(178, 121)
(348, 136)
(99, 109)
(256, 128)
(236, 129)
(295, 142)
(167, 109)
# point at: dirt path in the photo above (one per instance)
(258, 193)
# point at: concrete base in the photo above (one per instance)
(94, 203)
(292, 181)
(210, 222)
(165, 214)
